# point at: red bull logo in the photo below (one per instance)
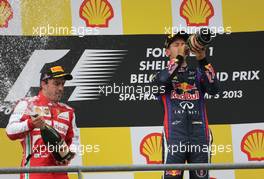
(185, 87)
(185, 96)
(173, 172)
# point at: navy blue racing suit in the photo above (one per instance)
(186, 135)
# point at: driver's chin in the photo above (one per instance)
(59, 98)
(56, 98)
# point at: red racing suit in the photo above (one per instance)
(58, 115)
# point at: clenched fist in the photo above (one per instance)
(38, 121)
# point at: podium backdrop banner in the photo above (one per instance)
(112, 76)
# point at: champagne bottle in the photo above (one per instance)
(56, 144)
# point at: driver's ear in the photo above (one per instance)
(43, 83)
(167, 52)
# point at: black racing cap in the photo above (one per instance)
(55, 72)
(171, 38)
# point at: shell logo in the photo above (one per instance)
(151, 148)
(6, 13)
(252, 144)
(96, 13)
(196, 12)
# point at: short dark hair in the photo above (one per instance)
(46, 81)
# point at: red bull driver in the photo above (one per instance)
(186, 134)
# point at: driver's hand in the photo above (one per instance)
(38, 122)
(64, 162)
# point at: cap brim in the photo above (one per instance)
(66, 76)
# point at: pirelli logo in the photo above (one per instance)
(56, 69)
